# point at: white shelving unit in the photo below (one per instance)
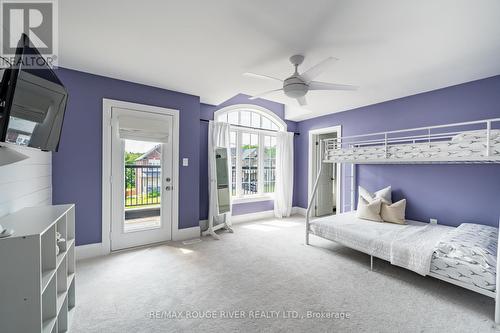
(37, 285)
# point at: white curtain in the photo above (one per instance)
(284, 175)
(218, 137)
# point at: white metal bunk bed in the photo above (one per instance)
(474, 142)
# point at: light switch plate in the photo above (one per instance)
(185, 161)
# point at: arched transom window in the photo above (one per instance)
(253, 149)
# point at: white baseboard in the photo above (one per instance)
(258, 216)
(244, 218)
(186, 233)
(252, 216)
(299, 211)
(89, 251)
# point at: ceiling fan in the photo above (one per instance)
(297, 85)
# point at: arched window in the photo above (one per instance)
(253, 149)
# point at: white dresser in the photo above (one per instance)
(37, 286)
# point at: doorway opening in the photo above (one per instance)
(143, 185)
(327, 200)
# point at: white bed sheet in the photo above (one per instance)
(410, 246)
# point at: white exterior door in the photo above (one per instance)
(141, 178)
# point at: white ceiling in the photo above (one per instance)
(390, 48)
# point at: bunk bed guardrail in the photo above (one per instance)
(465, 142)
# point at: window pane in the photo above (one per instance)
(250, 119)
(255, 120)
(222, 118)
(232, 142)
(269, 163)
(232, 118)
(266, 123)
(245, 118)
(249, 163)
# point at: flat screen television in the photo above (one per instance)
(32, 101)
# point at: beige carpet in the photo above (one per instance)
(265, 272)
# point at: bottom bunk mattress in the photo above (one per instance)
(470, 273)
(475, 267)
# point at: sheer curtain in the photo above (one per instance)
(284, 174)
(218, 137)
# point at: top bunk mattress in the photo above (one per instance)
(470, 145)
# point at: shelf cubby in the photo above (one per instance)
(70, 224)
(48, 250)
(71, 295)
(61, 228)
(62, 318)
(50, 326)
(62, 283)
(49, 308)
(71, 258)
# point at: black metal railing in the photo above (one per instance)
(142, 185)
(249, 179)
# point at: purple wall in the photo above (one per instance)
(76, 168)
(451, 193)
(207, 112)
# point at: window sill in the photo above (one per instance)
(255, 198)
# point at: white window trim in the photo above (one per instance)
(249, 107)
(261, 196)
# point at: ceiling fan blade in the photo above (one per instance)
(302, 100)
(265, 93)
(260, 76)
(317, 69)
(316, 85)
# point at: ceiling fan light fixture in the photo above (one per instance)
(295, 87)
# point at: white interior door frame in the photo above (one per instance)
(107, 106)
(313, 167)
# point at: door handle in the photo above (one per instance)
(168, 187)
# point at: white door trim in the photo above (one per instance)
(107, 105)
(312, 163)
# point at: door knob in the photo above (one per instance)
(168, 188)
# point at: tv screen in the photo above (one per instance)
(33, 101)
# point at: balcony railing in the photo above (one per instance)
(142, 185)
(250, 179)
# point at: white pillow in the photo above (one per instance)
(385, 194)
(369, 210)
(394, 213)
